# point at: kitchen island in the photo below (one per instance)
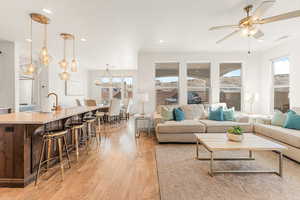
(20, 141)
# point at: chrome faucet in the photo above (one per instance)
(55, 107)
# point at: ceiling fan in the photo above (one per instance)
(250, 25)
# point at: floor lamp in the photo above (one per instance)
(144, 98)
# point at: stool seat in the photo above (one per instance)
(48, 139)
(78, 126)
(56, 134)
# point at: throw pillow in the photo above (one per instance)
(216, 115)
(229, 114)
(179, 114)
(188, 112)
(166, 114)
(279, 118)
(292, 120)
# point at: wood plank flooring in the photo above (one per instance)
(123, 168)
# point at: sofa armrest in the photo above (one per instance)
(157, 118)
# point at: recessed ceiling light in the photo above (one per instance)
(260, 40)
(161, 41)
(83, 40)
(47, 11)
(28, 40)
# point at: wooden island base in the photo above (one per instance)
(21, 141)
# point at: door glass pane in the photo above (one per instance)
(198, 96)
(232, 97)
(105, 95)
(198, 74)
(281, 99)
(166, 82)
(281, 72)
(230, 75)
(166, 96)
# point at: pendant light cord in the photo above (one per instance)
(30, 45)
(45, 36)
(64, 48)
(73, 47)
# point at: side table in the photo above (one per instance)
(141, 118)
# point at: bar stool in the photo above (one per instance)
(91, 134)
(76, 130)
(59, 137)
(100, 117)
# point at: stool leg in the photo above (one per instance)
(49, 153)
(40, 162)
(67, 152)
(76, 144)
(60, 157)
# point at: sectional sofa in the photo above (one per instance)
(196, 122)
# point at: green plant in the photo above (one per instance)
(236, 130)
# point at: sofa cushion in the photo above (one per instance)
(216, 114)
(166, 113)
(278, 118)
(292, 121)
(185, 126)
(222, 126)
(288, 136)
(193, 111)
(178, 114)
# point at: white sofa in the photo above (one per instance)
(196, 122)
(287, 137)
(183, 131)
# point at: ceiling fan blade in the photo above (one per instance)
(284, 16)
(258, 34)
(223, 27)
(262, 9)
(228, 36)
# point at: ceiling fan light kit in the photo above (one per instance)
(250, 25)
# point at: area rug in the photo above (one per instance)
(181, 177)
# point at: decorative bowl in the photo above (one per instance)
(234, 137)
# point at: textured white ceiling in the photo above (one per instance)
(117, 29)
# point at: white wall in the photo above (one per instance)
(9, 75)
(58, 86)
(292, 50)
(250, 73)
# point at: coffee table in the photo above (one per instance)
(214, 142)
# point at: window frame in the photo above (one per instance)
(178, 84)
(188, 88)
(242, 103)
(273, 86)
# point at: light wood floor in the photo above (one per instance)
(124, 168)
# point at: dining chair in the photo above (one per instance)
(114, 111)
(90, 102)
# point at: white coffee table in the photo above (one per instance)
(214, 142)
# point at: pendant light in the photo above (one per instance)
(30, 68)
(74, 61)
(45, 58)
(63, 63)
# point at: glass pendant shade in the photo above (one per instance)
(63, 64)
(74, 65)
(30, 69)
(64, 76)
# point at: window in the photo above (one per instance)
(281, 82)
(166, 83)
(231, 84)
(198, 80)
(118, 88)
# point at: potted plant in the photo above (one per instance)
(235, 134)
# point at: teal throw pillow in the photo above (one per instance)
(179, 114)
(292, 120)
(228, 114)
(279, 118)
(217, 115)
(166, 114)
